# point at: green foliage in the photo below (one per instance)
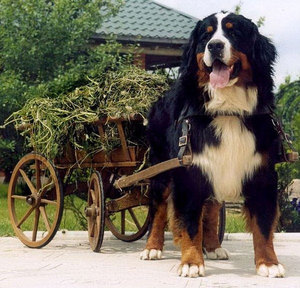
(261, 21)
(11, 90)
(288, 100)
(288, 108)
(39, 38)
(288, 103)
(237, 8)
(45, 51)
(7, 147)
(289, 220)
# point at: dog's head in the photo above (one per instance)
(225, 49)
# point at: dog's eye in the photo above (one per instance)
(209, 29)
(229, 25)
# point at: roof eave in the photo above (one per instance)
(140, 39)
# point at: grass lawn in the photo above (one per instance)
(5, 226)
(234, 221)
(68, 221)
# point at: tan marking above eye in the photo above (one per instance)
(210, 29)
(229, 25)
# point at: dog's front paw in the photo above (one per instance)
(191, 270)
(218, 254)
(273, 271)
(151, 254)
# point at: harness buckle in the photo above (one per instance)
(183, 141)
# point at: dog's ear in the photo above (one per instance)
(189, 62)
(264, 53)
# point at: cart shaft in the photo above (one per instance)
(153, 171)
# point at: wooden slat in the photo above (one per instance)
(36, 224)
(123, 141)
(45, 218)
(38, 175)
(123, 222)
(28, 182)
(98, 165)
(24, 218)
(18, 197)
(46, 201)
(105, 120)
(127, 201)
(136, 222)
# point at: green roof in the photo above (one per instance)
(149, 21)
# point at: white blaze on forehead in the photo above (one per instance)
(218, 35)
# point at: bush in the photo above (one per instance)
(45, 51)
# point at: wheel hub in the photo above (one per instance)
(30, 200)
(91, 211)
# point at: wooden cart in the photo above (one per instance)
(114, 192)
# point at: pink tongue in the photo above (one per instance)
(219, 77)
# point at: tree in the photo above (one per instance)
(45, 51)
(288, 103)
(39, 38)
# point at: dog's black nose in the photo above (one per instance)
(216, 47)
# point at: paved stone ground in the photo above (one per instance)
(68, 262)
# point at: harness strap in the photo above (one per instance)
(293, 155)
(184, 141)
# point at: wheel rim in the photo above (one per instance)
(35, 200)
(95, 212)
(128, 225)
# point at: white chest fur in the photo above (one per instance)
(230, 163)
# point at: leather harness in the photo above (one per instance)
(188, 112)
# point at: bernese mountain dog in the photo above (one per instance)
(224, 90)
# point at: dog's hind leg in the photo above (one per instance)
(155, 241)
(211, 244)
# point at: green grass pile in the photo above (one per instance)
(51, 124)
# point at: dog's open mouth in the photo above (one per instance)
(220, 74)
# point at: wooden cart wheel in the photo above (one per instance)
(95, 212)
(129, 224)
(35, 200)
(222, 223)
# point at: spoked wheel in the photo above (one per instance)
(222, 223)
(128, 216)
(35, 200)
(95, 212)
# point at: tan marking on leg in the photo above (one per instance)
(156, 237)
(210, 225)
(192, 263)
(191, 249)
(174, 223)
(263, 248)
